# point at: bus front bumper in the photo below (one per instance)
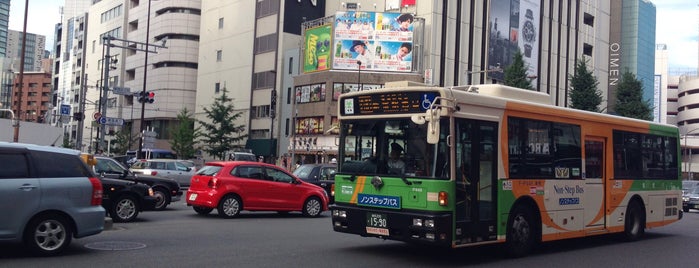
(401, 225)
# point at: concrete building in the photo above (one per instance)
(34, 51)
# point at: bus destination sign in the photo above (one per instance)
(388, 103)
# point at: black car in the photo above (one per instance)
(124, 199)
(322, 175)
(164, 190)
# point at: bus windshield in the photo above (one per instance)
(393, 147)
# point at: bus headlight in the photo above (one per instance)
(443, 199)
(429, 223)
(340, 213)
(417, 222)
(429, 236)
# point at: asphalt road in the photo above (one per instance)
(178, 237)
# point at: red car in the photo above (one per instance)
(233, 186)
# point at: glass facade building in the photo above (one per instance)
(638, 43)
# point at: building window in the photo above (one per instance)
(266, 8)
(263, 80)
(219, 55)
(260, 112)
(266, 43)
(286, 128)
(288, 95)
(589, 19)
(291, 65)
(220, 23)
(217, 87)
(587, 49)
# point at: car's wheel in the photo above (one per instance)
(313, 207)
(162, 197)
(521, 236)
(229, 206)
(635, 221)
(124, 209)
(48, 234)
(685, 209)
(203, 210)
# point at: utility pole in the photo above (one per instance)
(81, 110)
(21, 71)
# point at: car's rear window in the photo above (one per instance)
(209, 170)
(59, 165)
(303, 171)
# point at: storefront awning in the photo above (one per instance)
(263, 147)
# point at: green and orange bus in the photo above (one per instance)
(495, 164)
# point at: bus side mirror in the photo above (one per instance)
(432, 126)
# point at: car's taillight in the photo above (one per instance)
(213, 183)
(153, 173)
(443, 198)
(97, 192)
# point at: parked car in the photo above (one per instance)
(322, 175)
(688, 185)
(164, 168)
(690, 199)
(123, 199)
(242, 156)
(233, 186)
(48, 196)
(165, 190)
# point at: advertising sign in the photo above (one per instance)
(514, 25)
(379, 41)
(317, 49)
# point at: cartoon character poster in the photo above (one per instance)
(317, 49)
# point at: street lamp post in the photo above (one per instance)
(145, 77)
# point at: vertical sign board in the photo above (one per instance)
(514, 25)
(317, 49)
(657, 99)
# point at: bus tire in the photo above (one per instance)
(635, 221)
(521, 236)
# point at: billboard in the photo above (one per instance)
(317, 49)
(514, 25)
(379, 41)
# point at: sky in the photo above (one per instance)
(677, 25)
(42, 17)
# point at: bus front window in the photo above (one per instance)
(394, 147)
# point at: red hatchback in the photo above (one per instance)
(233, 186)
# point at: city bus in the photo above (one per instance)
(487, 164)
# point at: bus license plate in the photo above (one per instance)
(376, 223)
(192, 197)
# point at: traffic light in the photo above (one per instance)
(142, 97)
(151, 96)
(78, 116)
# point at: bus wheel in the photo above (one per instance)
(521, 231)
(635, 222)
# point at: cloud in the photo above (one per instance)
(676, 26)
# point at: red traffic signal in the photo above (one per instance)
(151, 97)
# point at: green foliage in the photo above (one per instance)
(584, 94)
(67, 142)
(516, 73)
(220, 134)
(120, 143)
(629, 98)
(184, 135)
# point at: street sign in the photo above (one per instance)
(65, 109)
(96, 115)
(121, 90)
(111, 121)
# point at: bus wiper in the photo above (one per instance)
(405, 180)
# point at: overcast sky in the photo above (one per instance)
(677, 26)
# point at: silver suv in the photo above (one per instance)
(164, 168)
(48, 196)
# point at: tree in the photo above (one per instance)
(120, 144)
(629, 98)
(184, 135)
(584, 94)
(220, 133)
(516, 73)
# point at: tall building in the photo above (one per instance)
(35, 96)
(666, 112)
(632, 47)
(170, 73)
(35, 49)
(4, 25)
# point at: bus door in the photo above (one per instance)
(594, 201)
(476, 171)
